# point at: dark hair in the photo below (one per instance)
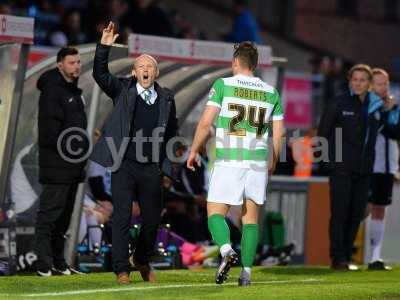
(247, 53)
(65, 51)
(360, 68)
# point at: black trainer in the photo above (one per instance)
(379, 265)
(244, 282)
(44, 273)
(227, 262)
(67, 271)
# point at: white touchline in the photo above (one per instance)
(141, 288)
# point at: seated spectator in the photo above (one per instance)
(185, 201)
(100, 13)
(94, 214)
(145, 17)
(24, 187)
(245, 26)
(184, 29)
(70, 33)
(97, 205)
(46, 20)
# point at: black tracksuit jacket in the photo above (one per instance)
(61, 106)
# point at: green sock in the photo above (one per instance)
(249, 244)
(219, 229)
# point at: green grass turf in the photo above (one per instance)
(269, 283)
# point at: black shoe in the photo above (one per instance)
(244, 282)
(227, 262)
(378, 265)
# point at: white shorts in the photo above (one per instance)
(230, 185)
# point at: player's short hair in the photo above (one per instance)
(65, 51)
(360, 68)
(379, 71)
(247, 53)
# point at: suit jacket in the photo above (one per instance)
(123, 93)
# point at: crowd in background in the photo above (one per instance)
(73, 22)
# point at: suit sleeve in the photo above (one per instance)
(328, 120)
(50, 119)
(110, 84)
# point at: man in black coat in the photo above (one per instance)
(350, 123)
(62, 123)
(142, 109)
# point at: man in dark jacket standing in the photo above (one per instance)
(351, 121)
(61, 109)
(142, 111)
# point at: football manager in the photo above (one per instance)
(144, 114)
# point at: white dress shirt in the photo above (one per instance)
(153, 95)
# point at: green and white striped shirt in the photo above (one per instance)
(247, 105)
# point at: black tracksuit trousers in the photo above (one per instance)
(56, 205)
(349, 197)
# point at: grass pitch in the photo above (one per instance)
(268, 283)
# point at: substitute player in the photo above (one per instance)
(244, 105)
(385, 166)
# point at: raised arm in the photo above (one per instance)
(110, 84)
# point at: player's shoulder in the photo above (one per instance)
(269, 88)
(218, 83)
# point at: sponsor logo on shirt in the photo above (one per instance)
(248, 83)
(348, 113)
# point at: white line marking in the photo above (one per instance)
(142, 288)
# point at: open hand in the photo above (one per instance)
(108, 37)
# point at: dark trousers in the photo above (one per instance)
(349, 197)
(56, 204)
(142, 183)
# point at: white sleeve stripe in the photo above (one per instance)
(212, 103)
(277, 118)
